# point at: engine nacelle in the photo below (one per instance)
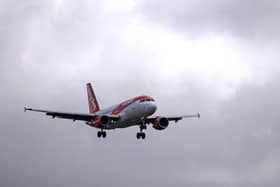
(100, 121)
(160, 123)
(104, 120)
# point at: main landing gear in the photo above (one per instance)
(141, 134)
(101, 134)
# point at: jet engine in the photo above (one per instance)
(100, 121)
(160, 123)
(104, 120)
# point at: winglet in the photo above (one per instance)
(25, 109)
(198, 115)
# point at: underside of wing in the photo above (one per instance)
(161, 122)
(65, 115)
(171, 118)
(72, 116)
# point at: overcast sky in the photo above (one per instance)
(218, 57)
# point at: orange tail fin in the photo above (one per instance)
(92, 101)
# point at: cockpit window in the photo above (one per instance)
(146, 99)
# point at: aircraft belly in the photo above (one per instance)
(126, 124)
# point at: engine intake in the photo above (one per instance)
(104, 120)
(160, 123)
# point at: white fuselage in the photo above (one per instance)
(130, 115)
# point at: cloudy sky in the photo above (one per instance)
(218, 57)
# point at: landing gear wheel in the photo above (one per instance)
(138, 135)
(141, 134)
(99, 134)
(104, 134)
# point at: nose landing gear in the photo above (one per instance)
(141, 134)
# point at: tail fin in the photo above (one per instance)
(92, 101)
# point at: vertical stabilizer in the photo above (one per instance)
(92, 101)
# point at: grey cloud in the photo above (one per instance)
(254, 20)
(46, 59)
(236, 148)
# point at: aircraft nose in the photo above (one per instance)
(153, 107)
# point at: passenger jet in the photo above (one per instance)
(133, 112)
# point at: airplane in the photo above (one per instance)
(133, 112)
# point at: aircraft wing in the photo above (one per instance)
(176, 119)
(172, 118)
(73, 116)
